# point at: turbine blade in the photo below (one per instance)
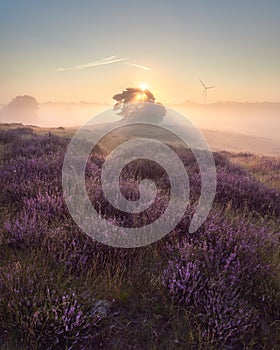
(203, 84)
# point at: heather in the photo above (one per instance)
(60, 289)
(220, 274)
(264, 169)
(41, 315)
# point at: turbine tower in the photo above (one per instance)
(204, 92)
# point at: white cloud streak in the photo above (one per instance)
(138, 66)
(108, 60)
(104, 61)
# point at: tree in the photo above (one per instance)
(21, 109)
(24, 102)
(139, 105)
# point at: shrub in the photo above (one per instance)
(39, 316)
(219, 273)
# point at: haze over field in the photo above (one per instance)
(252, 127)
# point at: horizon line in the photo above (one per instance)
(168, 103)
(186, 102)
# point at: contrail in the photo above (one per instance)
(138, 66)
(108, 60)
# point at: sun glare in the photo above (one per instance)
(140, 96)
(143, 86)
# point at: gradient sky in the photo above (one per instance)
(234, 45)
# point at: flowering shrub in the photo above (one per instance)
(32, 223)
(242, 192)
(11, 135)
(218, 273)
(245, 192)
(38, 315)
(25, 178)
(222, 273)
(33, 146)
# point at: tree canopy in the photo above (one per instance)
(21, 109)
(135, 104)
(25, 102)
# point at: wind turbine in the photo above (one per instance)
(205, 88)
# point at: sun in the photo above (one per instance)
(143, 86)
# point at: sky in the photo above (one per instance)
(89, 50)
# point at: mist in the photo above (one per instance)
(259, 120)
(68, 114)
(252, 127)
(248, 119)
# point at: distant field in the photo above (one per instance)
(233, 142)
(217, 140)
